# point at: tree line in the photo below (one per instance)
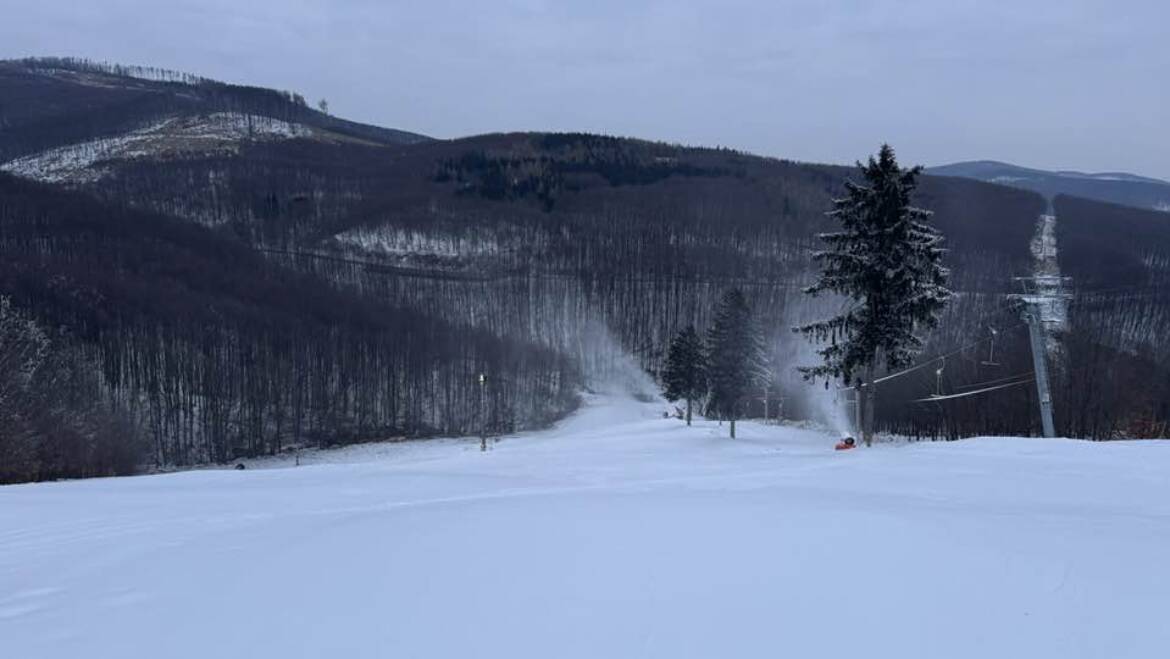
(211, 352)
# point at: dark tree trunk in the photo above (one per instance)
(867, 407)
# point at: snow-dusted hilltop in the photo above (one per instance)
(1113, 187)
(617, 534)
(61, 119)
(173, 137)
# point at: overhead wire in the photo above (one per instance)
(935, 399)
(1026, 374)
(938, 358)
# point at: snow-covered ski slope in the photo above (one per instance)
(618, 534)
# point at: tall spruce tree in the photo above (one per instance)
(735, 357)
(685, 375)
(887, 261)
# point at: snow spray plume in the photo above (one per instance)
(609, 368)
(828, 406)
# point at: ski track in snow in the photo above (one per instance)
(616, 534)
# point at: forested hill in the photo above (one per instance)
(209, 351)
(1119, 261)
(54, 102)
(540, 235)
(393, 269)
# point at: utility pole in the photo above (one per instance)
(767, 404)
(857, 420)
(1046, 294)
(482, 412)
(1040, 366)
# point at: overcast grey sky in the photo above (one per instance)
(1079, 84)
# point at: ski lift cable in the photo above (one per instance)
(1118, 289)
(1119, 297)
(933, 399)
(995, 312)
(1026, 374)
(938, 358)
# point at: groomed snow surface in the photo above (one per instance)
(617, 534)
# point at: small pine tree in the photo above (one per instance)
(735, 356)
(888, 262)
(685, 375)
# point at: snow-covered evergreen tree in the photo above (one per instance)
(887, 261)
(685, 375)
(735, 356)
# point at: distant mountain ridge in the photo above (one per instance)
(1113, 187)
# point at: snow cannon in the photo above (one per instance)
(845, 444)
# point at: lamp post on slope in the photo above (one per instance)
(482, 412)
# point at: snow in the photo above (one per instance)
(1008, 180)
(388, 240)
(1110, 176)
(203, 134)
(1049, 283)
(616, 534)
